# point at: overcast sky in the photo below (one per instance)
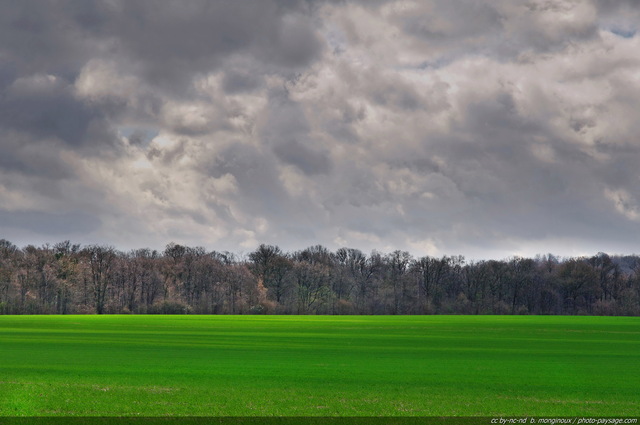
(482, 128)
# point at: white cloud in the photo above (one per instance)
(100, 79)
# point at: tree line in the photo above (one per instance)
(68, 278)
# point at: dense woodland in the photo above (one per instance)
(71, 279)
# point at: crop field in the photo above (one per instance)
(319, 366)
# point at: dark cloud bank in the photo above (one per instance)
(480, 128)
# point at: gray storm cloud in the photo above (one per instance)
(483, 128)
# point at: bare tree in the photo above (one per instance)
(101, 261)
(430, 273)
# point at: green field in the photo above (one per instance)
(319, 365)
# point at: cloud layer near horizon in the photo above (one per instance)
(483, 128)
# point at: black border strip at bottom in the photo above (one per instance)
(271, 420)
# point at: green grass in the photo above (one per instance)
(319, 366)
